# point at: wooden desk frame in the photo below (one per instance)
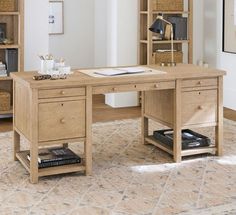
(163, 100)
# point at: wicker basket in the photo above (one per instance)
(5, 101)
(7, 5)
(165, 57)
(168, 5)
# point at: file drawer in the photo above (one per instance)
(61, 120)
(199, 107)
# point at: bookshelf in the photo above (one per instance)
(148, 46)
(12, 17)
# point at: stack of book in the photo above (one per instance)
(3, 71)
(52, 157)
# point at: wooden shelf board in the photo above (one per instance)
(6, 78)
(169, 41)
(143, 12)
(14, 46)
(158, 144)
(9, 13)
(196, 151)
(22, 157)
(171, 12)
(144, 41)
(7, 112)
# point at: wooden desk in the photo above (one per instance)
(53, 112)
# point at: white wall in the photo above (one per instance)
(76, 45)
(100, 32)
(36, 32)
(213, 50)
(122, 44)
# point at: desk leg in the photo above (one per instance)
(177, 123)
(88, 142)
(16, 142)
(219, 127)
(34, 137)
(144, 121)
(34, 162)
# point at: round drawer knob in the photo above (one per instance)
(63, 92)
(63, 121)
(200, 107)
(200, 83)
(114, 89)
(156, 85)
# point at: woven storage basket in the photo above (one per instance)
(168, 5)
(165, 57)
(7, 5)
(5, 101)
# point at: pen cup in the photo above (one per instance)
(46, 66)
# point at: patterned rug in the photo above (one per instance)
(128, 178)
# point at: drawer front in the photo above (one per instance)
(61, 120)
(200, 82)
(57, 93)
(199, 107)
(134, 87)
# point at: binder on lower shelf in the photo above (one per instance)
(190, 139)
(52, 157)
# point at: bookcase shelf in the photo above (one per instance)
(148, 47)
(12, 23)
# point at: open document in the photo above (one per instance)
(122, 71)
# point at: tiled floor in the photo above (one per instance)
(129, 178)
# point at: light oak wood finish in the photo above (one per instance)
(146, 44)
(163, 98)
(230, 114)
(15, 31)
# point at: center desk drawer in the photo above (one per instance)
(199, 107)
(200, 82)
(134, 87)
(56, 93)
(61, 120)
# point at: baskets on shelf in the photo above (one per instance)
(168, 5)
(5, 101)
(165, 57)
(7, 5)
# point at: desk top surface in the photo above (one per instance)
(181, 71)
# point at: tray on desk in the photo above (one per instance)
(190, 139)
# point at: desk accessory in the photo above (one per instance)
(56, 157)
(56, 68)
(158, 27)
(190, 139)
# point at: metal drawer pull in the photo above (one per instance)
(62, 121)
(63, 92)
(200, 107)
(200, 82)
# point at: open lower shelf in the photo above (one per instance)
(5, 112)
(201, 150)
(22, 157)
(5, 78)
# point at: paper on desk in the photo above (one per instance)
(137, 69)
(110, 72)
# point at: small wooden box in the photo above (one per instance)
(168, 5)
(5, 101)
(165, 57)
(7, 5)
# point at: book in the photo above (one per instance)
(122, 71)
(56, 157)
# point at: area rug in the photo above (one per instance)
(128, 178)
